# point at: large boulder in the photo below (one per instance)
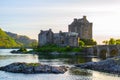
(33, 68)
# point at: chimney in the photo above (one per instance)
(84, 17)
(60, 31)
(50, 29)
(75, 19)
(41, 30)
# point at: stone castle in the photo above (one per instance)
(78, 29)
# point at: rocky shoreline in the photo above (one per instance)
(110, 65)
(31, 68)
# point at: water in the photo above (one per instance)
(73, 74)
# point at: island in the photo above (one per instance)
(110, 65)
(32, 68)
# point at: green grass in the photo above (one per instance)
(33, 64)
(6, 41)
(54, 48)
(64, 52)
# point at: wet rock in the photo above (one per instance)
(15, 51)
(110, 65)
(29, 68)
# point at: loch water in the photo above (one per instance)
(72, 74)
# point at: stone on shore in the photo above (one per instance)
(31, 68)
(110, 65)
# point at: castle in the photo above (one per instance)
(78, 29)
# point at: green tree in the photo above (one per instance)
(118, 41)
(89, 42)
(112, 41)
(81, 43)
(106, 42)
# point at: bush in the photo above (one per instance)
(22, 50)
(53, 48)
(89, 42)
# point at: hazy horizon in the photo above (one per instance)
(28, 17)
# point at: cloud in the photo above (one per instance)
(33, 15)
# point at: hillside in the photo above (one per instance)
(6, 41)
(24, 40)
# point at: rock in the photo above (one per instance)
(15, 51)
(29, 68)
(39, 69)
(110, 65)
(60, 69)
(21, 50)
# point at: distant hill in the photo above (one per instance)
(24, 40)
(6, 41)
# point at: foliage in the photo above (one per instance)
(81, 43)
(22, 49)
(53, 48)
(118, 41)
(6, 41)
(33, 64)
(106, 42)
(89, 42)
(112, 41)
(24, 40)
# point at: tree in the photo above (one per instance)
(81, 43)
(105, 42)
(112, 41)
(89, 42)
(118, 41)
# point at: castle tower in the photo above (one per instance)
(45, 37)
(81, 26)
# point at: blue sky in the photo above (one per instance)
(28, 17)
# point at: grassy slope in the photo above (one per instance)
(6, 41)
(24, 40)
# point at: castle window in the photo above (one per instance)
(62, 41)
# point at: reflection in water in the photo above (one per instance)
(71, 74)
(80, 59)
(7, 59)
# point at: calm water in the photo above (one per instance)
(74, 74)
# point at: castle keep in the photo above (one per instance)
(78, 29)
(83, 27)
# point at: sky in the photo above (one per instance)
(28, 17)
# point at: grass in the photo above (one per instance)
(33, 64)
(54, 48)
(64, 52)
